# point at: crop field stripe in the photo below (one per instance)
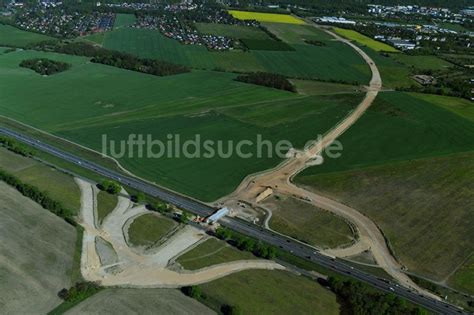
(364, 40)
(334, 61)
(124, 20)
(12, 36)
(266, 17)
(118, 102)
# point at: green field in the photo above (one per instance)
(309, 87)
(297, 34)
(148, 229)
(12, 36)
(397, 69)
(309, 224)
(140, 301)
(211, 252)
(400, 126)
(105, 204)
(4, 50)
(364, 40)
(423, 206)
(270, 292)
(306, 61)
(232, 31)
(117, 103)
(36, 254)
(59, 186)
(124, 20)
(463, 278)
(266, 44)
(460, 106)
(97, 38)
(403, 164)
(422, 62)
(394, 74)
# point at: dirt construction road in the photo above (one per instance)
(134, 268)
(280, 177)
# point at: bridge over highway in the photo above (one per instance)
(284, 243)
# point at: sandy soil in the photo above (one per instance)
(134, 268)
(279, 178)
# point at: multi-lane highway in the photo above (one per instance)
(294, 247)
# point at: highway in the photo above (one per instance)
(294, 247)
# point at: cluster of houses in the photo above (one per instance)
(176, 21)
(442, 15)
(383, 10)
(152, 5)
(173, 27)
(132, 6)
(57, 22)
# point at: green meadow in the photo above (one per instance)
(423, 206)
(400, 126)
(270, 292)
(422, 62)
(12, 36)
(463, 278)
(124, 20)
(297, 34)
(460, 106)
(233, 31)
(408, 164)
(333, 61)
(91, 100)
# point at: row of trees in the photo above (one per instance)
(38, 196)
(110, 186)
(161, 207)
(79, 292)
(272, 80)
(114, 188)
(196, 293)
(359, 298)
(45, 66)
(247, 244)
(114, 58)
(14, 146)
(456, 88)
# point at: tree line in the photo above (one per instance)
(358, 298)
(271, 80)
(195, 292)
(45, 66)
(113, 58)
(38, 196)
(15, 147)
(80, 291)
(246, 244)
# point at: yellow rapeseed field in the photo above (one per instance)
(364, 40)
(266, 17)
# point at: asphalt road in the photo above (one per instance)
(287, 244)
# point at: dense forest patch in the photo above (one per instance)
(272, 80)
(45, 66)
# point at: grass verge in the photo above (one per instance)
(211, 252)
(148, 229)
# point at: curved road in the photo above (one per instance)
(284, 243)
(278, 176)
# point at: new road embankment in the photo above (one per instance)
(284, 243)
